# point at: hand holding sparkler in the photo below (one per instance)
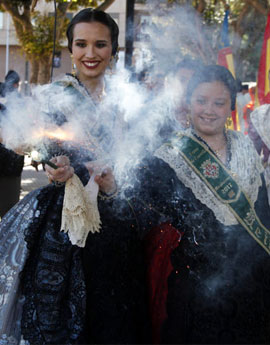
(63, 170)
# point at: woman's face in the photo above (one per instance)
(91, 49)
(210, 106)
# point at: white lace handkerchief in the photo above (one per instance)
(80, 214)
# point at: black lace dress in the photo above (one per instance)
(90, 295)
(218, 287)
(67, 294)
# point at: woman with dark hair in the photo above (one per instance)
(11, 83)
(68, 287)
(208, 250)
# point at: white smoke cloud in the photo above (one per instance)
(145, 106)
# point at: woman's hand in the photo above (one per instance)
(104, 177)
(64, 171)
(106, 181)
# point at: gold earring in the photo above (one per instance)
(188, 122)
(73, 66)
(112, 63)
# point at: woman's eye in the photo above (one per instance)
(201, 101)
(101, 45)
(81, 45)
(219, 104)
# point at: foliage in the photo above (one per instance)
(246, 25)
(39, 42)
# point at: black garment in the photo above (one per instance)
(10, 189)
(115, 279)
(89, 295)
(218, 291)
(11, 166)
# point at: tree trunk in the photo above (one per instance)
(34, 71)
(44, 70)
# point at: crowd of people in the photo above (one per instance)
(179, 255)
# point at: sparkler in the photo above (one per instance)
(35, 155)
(62, 135)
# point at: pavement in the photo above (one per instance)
(32, 179)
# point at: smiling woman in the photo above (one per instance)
(92, 48)
(93, 41)
(76, 288)
(209, 255)
(211, 99)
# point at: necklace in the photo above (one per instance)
(217, 151)
(96, 96)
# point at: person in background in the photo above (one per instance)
(11, 164)
(11, 84)
(242, 99)
(259, 130)
(248, 108)
(179, 111)
(184, 71)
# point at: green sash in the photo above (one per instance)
(218, 179)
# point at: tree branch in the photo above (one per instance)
(258, 6)
(23, 19)
(34, 4)
(62, 9)
(237, 23)
(105, 5)
(201, 6)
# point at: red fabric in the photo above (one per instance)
(248, 109)
(262, 72)
(267, 98)
(160, 242)
(222, 57)
(222, 61)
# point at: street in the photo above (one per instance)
(32, 179)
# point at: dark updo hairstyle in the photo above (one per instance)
(209, 74)
(89, 15)
(189, 63)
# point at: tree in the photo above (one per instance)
(35, 30)
(247, 23)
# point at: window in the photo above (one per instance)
(1, 20)
(115, 17)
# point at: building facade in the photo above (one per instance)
(12, 57)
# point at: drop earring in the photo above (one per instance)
(187, 121)
(73, 66)
(111, 65)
